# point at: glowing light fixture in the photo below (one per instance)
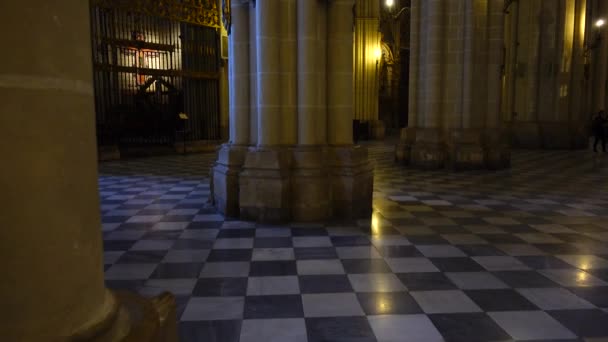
(599, 23)
(390, 3)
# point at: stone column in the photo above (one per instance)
(408, 134)
(231, 156)
(50, 242)
(453, 104)
(429, 148)
(310, 197)
(549, 75)
(264, 182)
(351, 171)
(367, 64)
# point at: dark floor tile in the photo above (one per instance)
(230, 255)
(162, 235)
(128, 285)
(114, 219)
(601, 273)
(500, 300)
(480, 250)
(524, 279)
(573, 238)
(501, 238)
(559, 248)
(352, 266)
(398, 251)
(210, 331)
(426, 214)
(597, 296)
(205, 225)
(177, 218)
(282, 306)
(117, 245)
(177, 270)
(136, 226)
(141, 257)
(427, 240)
(584, 323)
(449, 230)
(236, 233)
(309, 232)
(192, 244)
(388, 303)
(542, 262)
(518, 229)
(152, 212)
(345, 241)
(469, 221)
(456, 264)
(406, 222)
(426, 281)
(309, 253)
(339, 329)
(220, 287)
(324, 283)
(468, 327)
(272, 268)
(273, 242)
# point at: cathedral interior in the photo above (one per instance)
(304, 170)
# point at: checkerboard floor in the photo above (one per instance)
(514, 255)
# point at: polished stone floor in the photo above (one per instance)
(515, 255)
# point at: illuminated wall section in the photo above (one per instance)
(367, 59)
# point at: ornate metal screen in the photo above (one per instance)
(153, 60)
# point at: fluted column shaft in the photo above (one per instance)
(268, 46)
(340, 72)
(238, 59)
(308, 101)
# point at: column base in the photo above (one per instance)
(352, 182)
(377, 130)
(225, 178)
(403, 149)
(464, 150)
(429, 150)
(130, 317)
(310, 197)
(497, 153)
(264, 185)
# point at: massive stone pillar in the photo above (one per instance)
(301, 163)
(545, 79)
(53, 288)
(368, 54)
(455, 85)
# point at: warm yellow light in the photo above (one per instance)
(375, 225)
(390, 3)
(599, 23)
(378, 53)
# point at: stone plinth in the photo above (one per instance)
(352, 182)
(225, 178)
(464, 149)
(403, 150)
(264, 185)
(497, 153)
(310, 197)
(429, 150)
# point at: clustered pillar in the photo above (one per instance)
(455, 85)
(291, 82)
